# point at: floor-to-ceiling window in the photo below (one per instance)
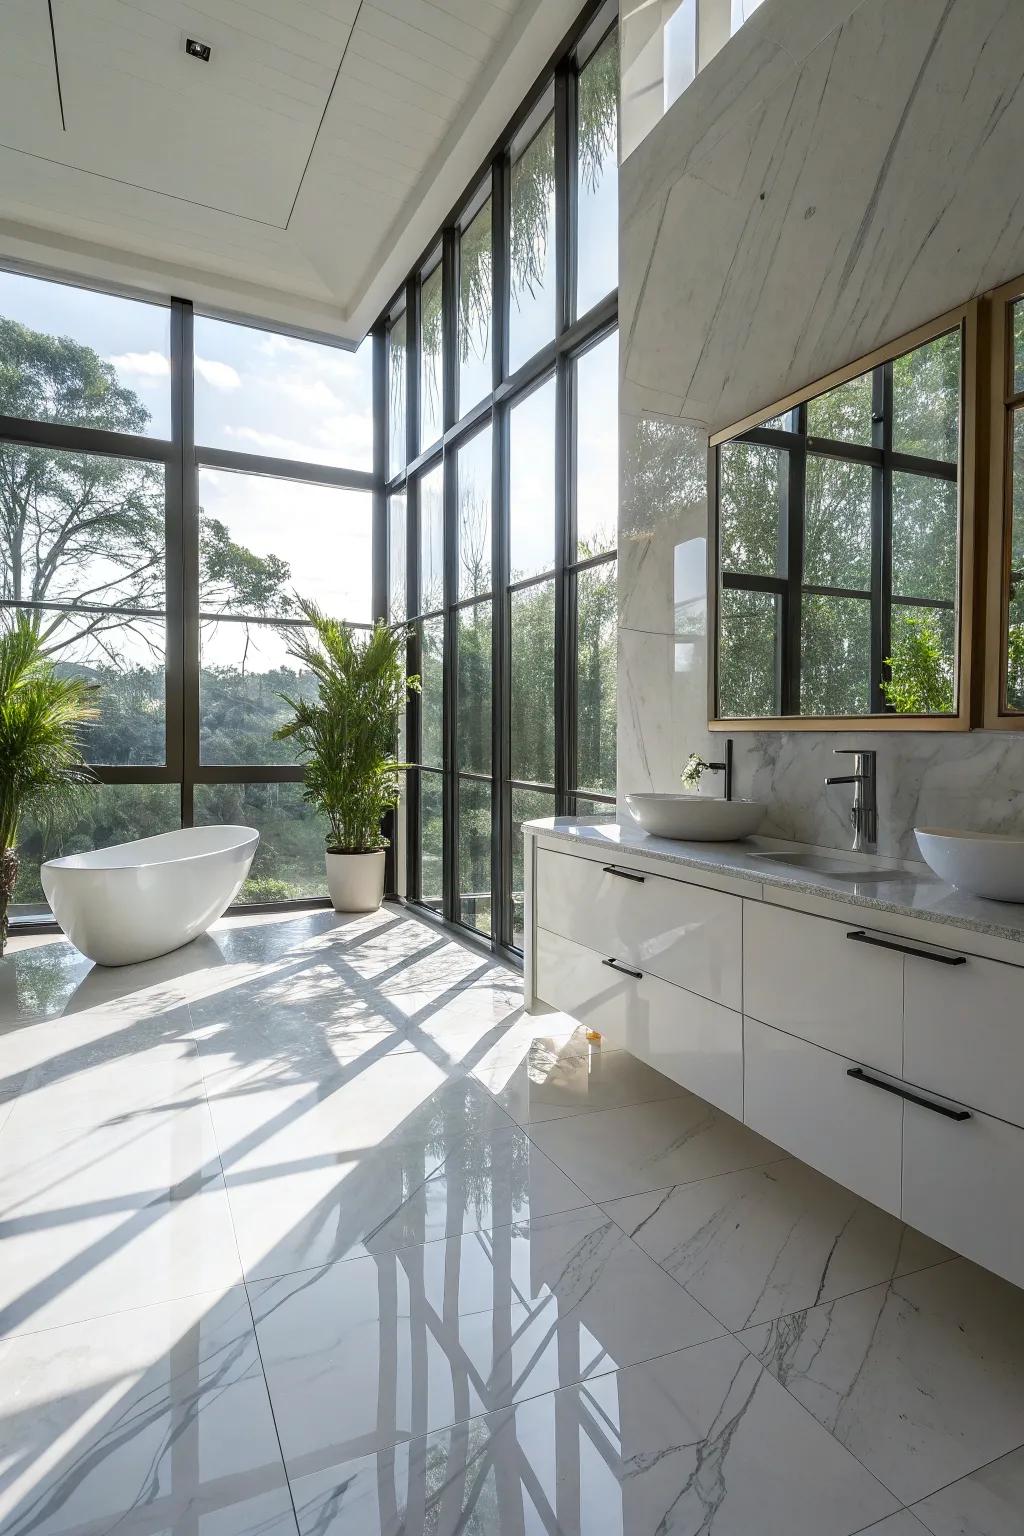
(171, 488)
(502, 371)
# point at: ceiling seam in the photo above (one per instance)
(136, 186)
(56, 66)
(323, 115)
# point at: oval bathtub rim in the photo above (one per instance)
(68, 863)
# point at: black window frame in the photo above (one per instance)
(555, 91)
(183, 459)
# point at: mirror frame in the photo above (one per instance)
(967, 317)
(1001, 401)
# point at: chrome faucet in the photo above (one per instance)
(725, 768)
(864, 812)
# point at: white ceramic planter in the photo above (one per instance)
(356, 880)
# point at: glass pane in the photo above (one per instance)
(593, 809)
(742, 10)
(82, 358)
(533, 684)
(289, 862)
(431, 363)
(264, 541)
(597, 448)
(749, 650)
(105, 815)
(837, 523)
(532, 483)
(1015, 615)
(431, 541)
(752, 490)
(527, 805)
(261, 392)
(597, 184)
(397, 560)
(432, 695)
(475, 854)
(244, 670)
(924, 536)
(474, 482)
(124, 657)
(595, 673)
(473, 706)
(396, 395)
(926, 400)
(844, 413)
(476, 288)
(922, 667)
(1018, 346)
(532, 310)
(431, 839)
(835, 656)
(80, 527)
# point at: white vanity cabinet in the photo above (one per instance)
(892, 1063)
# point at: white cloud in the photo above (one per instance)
(149, 365)
(217, 375)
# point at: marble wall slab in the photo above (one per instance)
(883, 139)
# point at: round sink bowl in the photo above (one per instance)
(696, 818)
(983, 863)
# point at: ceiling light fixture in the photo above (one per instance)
(197, 49)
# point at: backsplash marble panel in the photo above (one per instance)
(727, 301)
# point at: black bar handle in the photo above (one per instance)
(905, 1093)
(617, 965)
(860, 937)
(623, 874)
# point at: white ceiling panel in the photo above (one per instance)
(292, 178)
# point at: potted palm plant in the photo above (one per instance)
(347, 734)
(41, 763)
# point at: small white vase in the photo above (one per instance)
(356, 880)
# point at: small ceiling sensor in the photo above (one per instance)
(197, 49)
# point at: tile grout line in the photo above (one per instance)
(248, 1303)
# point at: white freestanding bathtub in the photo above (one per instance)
(139, 900)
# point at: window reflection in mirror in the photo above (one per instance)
(839, 533)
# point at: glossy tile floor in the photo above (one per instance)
(307, 1227)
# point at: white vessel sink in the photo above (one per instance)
(984, 863)
(696, 818)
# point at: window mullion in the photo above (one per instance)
(793, 518)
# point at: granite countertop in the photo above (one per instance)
(912, 890)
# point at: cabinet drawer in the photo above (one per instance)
(693, 1041)
(964, 1033)
(962, 1185)
(804, 975)
(800, 1096)
(686, 934)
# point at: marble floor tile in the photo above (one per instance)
(98, 1219)
(331, 1119)
(153, 1421)
(922, 1379)
(989, 1502)
(58, 1047)
(364, 1354)
(539, 1078)
(160, 1077)
(644, 1147)
(754, 1245)
(697, 1443)
(389, 1197)
(903, 1523)
(55, 980)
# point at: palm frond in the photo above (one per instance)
(348, 733)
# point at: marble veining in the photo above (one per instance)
(918, 895)
(494, 1269)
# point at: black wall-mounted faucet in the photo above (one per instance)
(725, 768)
